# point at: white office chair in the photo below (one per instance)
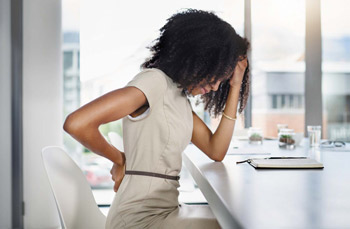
(76, 205)
(116, 140)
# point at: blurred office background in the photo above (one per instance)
(74, 51)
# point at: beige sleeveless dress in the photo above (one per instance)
(154, 142)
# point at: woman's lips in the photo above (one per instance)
(204, 90)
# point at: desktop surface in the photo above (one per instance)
(243, 197)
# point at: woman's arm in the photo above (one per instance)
(216, 145)
(83, 124)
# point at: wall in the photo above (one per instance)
(268, 121)
(42, 106)
(5, 115)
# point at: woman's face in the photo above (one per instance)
(200, 90)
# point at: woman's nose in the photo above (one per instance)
(216, 86)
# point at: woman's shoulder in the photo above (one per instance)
(152, 73)
(151, 77)
(152, 82)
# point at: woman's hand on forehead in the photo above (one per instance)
(238, 73)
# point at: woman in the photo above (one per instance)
(196, 53)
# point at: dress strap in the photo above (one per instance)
(142, 173)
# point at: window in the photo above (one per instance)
(67, 60)
(335, 69)
(278, 39)
(285, 101)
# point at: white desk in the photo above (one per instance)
(243, 197)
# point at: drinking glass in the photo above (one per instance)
(314, 133)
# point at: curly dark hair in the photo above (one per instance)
(196, 45)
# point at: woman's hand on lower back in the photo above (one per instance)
(118, 172)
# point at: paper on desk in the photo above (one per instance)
(242, 151)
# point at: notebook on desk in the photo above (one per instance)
(284, 163)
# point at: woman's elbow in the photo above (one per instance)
(218, 157)
(70, 124)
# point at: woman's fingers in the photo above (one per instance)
(242, 64)
(116, 186)
(117, 175)
(238, 73)
(113, 171)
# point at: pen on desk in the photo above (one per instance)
(239, 162)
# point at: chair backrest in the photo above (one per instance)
(72, 192)
(116, 140)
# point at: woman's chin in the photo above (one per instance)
(198, 93)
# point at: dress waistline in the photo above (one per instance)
(142, 173)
